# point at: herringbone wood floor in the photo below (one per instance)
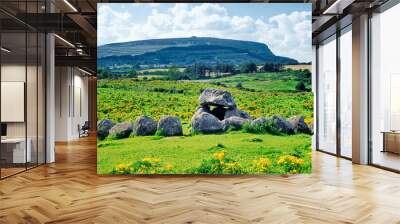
(69, 191)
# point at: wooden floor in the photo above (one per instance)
(69, 191)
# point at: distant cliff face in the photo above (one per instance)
(187, 51)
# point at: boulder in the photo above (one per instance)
(299, 125)
(311, 127)
(234, 112)
(105, 123)
(144, 125)
(206, 123)
(217, 97)
(234, 122)
(282, 125)
(204, 108)
(169, 126)
(259, 121)
(121, 130)
(103, 128)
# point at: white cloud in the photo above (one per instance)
(286, 34)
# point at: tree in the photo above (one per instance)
(304, 75)
(271, 67)
(132, 74)
(103, 73)
(197, 71)
(301, 87)
(224, 68)
(249, 67)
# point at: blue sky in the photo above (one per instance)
(285, 28)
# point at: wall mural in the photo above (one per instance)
(204, 88)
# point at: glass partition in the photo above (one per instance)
(385, 89)
(346, 93)
(22, 77)
(327, 95)
(13, 94)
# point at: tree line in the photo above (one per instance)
(204, 71)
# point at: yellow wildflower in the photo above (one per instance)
(219, 155)
(169, 167)
(146, 159)
(122, 167)
(151, 160)
(264, 162)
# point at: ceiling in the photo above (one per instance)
(75, 22)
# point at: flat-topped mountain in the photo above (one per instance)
(187, 51)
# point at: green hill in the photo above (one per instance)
(187, 51)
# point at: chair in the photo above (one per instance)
(84, 130)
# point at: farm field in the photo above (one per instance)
(273, 82)
(298, 67)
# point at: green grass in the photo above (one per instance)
(264, 94)
(187, 152)
(125, 99)
(284, 81)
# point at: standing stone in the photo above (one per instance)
(144, 125)
(259, 121)
(234, 122)
(121, 130)
(103, 128)
(299, 125)
(234, 112)
(206, 123)
(169, 126)
(282, 125)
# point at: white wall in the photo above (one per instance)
(71, 102)
(12, 73)
(314, 90)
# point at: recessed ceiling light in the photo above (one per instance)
(64, 40)
(5, 50)
(337, 7)
(86, 72)
(70, 5)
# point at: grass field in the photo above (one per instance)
(187, 152)
(125, 99)
(261, 94)
(272, 82)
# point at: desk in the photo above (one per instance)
(13, 150)
(391, 141)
